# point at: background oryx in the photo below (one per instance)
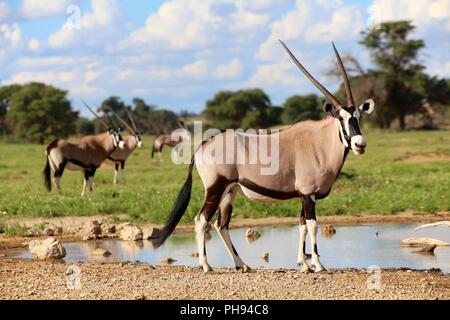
(311, 155)
(86, 155)
(133, 141)
(171, 140)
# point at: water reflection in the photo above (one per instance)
(351, 246)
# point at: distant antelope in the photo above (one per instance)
(311, 155)
(170, 140)
(133, 141)
(86, 155)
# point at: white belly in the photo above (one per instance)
(255, 196)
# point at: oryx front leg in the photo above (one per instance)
(116, 172)
(85, 180)
(301, 259)
(309, 203)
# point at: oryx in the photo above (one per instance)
(172, 140)
(133, 141)
(311, 155)
(85, 154)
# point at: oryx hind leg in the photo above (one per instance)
(212, 200)
(222, 227)
(58, 173)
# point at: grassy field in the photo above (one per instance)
(378, 182)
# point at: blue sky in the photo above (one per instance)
(178, 53)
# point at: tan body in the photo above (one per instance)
(301, 173)
(85, 154)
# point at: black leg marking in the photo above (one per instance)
(309, 207)
(59, 172)
(117, 165)
(234, 250)
(315, 249)
(122, 165)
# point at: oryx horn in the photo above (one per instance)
(327, 94)
(130, 116)
(348, 90)
(129, 128)
(96, 115)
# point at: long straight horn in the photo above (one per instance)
(96, 115)
(129, 128)
(348, 90)
(326, 93)
(130, 116)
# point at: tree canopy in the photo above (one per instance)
(299, 108)
(40, 112)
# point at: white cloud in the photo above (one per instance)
(198, 69)
(10, 40)
(33, 9)
(344, 24)
(5, 11)
(313, 22)
(98, 28)
(230, 70)
(423, 13)
(34, 44)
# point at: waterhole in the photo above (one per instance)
(359, 246)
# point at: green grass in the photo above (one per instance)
(374, 183)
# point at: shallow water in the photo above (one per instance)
(351, 246)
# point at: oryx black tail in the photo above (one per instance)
(46, 173)
(179, 208)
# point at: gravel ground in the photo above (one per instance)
(27, 279)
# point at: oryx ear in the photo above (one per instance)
(367, 106)
(329, 109)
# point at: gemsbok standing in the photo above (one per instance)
(171, 140)
(86, 154)
(311, 155)
(133, 141)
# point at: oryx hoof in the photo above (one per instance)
(206, 268)
(306, 269)
(320, 269)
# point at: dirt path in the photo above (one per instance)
(48, 280)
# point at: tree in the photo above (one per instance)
(85, 127)
(241, 109)
(39, 112)
(299, 108)
(396, 57)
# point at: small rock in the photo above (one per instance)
(108, 228)
(194, 254)
(252, 235)
(33, 233)
(167, 260)
(426, 249)
(49, 232)
(328, 230)
(49, 248)
(101, 252)
(265, 256)
(91, 231)
(149, 232)
(131, 232)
